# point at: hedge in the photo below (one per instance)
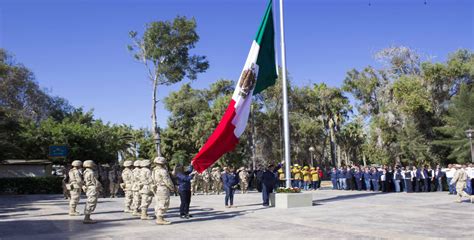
(31, 185)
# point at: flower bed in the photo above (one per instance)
(288, 190)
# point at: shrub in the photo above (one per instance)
(31, 185)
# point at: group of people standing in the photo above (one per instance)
(140, 184)
(305, 178)
(400, 178)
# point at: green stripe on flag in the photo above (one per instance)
(267, 72)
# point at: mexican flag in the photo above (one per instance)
(259, 72)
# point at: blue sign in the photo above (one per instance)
(57, 151)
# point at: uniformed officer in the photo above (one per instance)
(216, 180)
(146, 184)
(92, 188)
(195, 182)
(244, 179)
(459, 179)
(74, 186)
(127, 177)
(136, 188)
(163, 186)
(206, 181)
(281, 178)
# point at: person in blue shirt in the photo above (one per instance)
(184, 188)
(417, 179)
(358, 178)
(341, 175)
(349, 182)
(230, 179)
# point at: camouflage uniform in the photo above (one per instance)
(216, 180)
(75, 186)
(195, 182)
(460, 177)
(92, 188)
(206, 181)
(163, 186)
(127, 177)
(244, 180)
(136, 188)
(146, 189)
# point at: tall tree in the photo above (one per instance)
(164, 51)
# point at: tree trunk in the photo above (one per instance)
(363, 159)
(156, 129)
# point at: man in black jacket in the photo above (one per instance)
(268, 182)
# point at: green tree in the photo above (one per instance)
(460, 117)
(164, 51)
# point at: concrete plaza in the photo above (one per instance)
(335, 214)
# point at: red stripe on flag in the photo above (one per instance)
(221, 141)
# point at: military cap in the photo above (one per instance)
(145, 163)
(127, 163)
(159, 160)
(137, 163)
(88, 164)
(76, 163)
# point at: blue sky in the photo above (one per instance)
(77, 49)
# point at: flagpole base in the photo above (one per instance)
(291, 200)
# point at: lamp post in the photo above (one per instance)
(157, 140)
(311, 150)
(470, 135)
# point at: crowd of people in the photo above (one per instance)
(404, 179)
(140, 184)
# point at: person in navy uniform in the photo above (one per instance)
(334, 181)
(342, 178)
(424, 179)
(374, 179)
(408, 177)
(358, 178)
(184, 187)
(366, 176)
(397, 178)
(349, 182)
(230, 180)
(269, 180)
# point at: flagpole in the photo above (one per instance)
(286, 128)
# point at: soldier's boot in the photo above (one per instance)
(127, 209)
(472, 198)
(73, 212)
(162, 221)
(88, 220)
(144, 215)
(135, 213)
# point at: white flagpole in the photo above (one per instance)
(286, 128)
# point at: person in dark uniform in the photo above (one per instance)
(258, 178)
(366, 176)
(408, 176)
(439, 179)
(374, 179)
(349, 176)
(230, 180)
(358, 178)
(397, 178)
(269, 181)
(390, 184)
(425, 178)
(417, 180)
(184, 188)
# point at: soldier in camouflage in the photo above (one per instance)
(127, 177)
(74, 186)
(92, 188)
(146, 189)
(136, 188)
(163, 187)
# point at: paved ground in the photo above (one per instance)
(335, 214)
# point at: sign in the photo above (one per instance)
(58, 151)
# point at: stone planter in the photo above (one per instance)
(291, 200)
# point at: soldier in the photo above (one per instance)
(206, 181)
(92, 188)
(65, 180)
(136, 188)
(195, 182)
(459, 179)
(113, 181)
(146, 189)
(244, 179)
(74, 186)
(217, 180)
(127, 177)
(163, 186)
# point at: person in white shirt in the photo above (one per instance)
(470, 175)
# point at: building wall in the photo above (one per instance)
(8, 171)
